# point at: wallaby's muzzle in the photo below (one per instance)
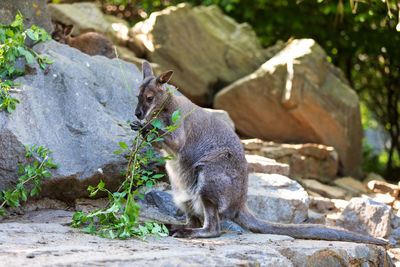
(139, 113)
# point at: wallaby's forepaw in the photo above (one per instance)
(136, 125)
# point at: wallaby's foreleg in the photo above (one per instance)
(137, 126)
(211, 226)
(192, 220)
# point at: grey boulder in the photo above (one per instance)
(78, 110)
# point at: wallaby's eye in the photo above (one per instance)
(149, 98)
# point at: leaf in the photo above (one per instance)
(118, 152)
(28, 55)
(112, 236)
(93, 193)
(78, 215)
(150, 137)
(132, 208)
(157, 124)
(101, 185)
(32, 34)
(123, 145)
(46, 174)
(143, 229)
(156, 176)
(176, 116)
(150, 153)
(89, 229)
(165, 229)
(10, 109)
(113, 208)
(2, 212)
(149, 184)
(9, 33)
(42, 65)
(34, 191)
(23, 194)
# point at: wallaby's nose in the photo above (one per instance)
(138, 114)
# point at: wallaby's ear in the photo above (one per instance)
(146, 69)
(68, 30)
(164, 77)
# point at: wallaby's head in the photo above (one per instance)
(62, 33)
(152, 92)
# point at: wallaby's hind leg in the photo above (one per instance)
(211, 227)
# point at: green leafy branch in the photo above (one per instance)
(119, 219)
(12, 46)
(33, 174)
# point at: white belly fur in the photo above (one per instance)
(181, 193)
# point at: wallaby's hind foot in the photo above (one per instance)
(195, 233)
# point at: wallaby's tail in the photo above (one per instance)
(248, 221)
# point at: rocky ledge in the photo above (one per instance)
(42, 237)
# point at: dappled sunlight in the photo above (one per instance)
(121, 29)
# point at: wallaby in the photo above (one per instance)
(208, 173)
(91, 43)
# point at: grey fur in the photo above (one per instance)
(209, 172)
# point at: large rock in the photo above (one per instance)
(298, 97)
(274, 197)
(76, 111)
(363, 215)
(314, 161)
(206, 49)
(34, 12)
(87, 17)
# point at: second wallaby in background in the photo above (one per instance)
(209, 173)
(91, 43)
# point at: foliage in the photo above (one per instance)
(132, 10)
(7, 101)
(120, 218)
(31, 174)
(372, 162)
(12, 46)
